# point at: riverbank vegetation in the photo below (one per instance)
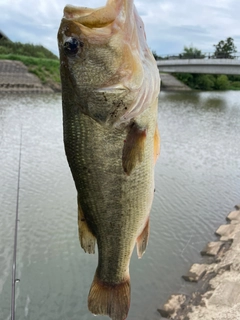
(223, 50)
(209, 81)
(39, 60)
(25, 49)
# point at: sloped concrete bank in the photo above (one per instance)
(217, 296)
(14, 77)
(170, 83)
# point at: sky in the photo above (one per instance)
(170, 24)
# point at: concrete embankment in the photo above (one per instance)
(217, 295)
(170, 83)
(14, 77)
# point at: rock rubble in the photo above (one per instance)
(218, 293)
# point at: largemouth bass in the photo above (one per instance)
(110, 87)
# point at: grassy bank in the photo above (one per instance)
(39, 60)
(47, 70)
(25, 49)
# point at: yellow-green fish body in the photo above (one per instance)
(110, 85)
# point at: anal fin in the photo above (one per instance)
(86, 238)
(133, 148)
(142, 240)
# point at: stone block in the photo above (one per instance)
(196, 272)
(234, 215)
(212, 248)
(227, 231)
(172, 305)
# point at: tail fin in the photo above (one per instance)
(109, 299)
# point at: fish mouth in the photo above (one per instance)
(94, 18)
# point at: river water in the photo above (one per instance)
(197, 184)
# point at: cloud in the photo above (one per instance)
(170, 25)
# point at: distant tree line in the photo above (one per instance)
(209, 81)
(223, 50)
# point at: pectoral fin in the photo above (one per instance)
(87, 239)
(142, 240)
(133, 148)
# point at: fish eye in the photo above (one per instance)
(71, 46)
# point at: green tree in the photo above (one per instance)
(204, 82)
(222, 82)
(186, 78)
(156, 56)
(225, 49)
(191, 53)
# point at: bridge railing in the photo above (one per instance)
(203, 55)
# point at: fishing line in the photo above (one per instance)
(14, 280)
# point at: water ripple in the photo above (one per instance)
(197, 183)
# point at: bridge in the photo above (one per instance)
(206, 65)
